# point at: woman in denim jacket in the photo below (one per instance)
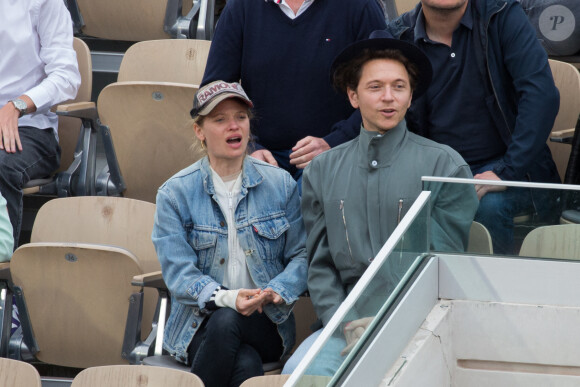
(230, 238)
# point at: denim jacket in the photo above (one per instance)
(522, 97)
(191, 240)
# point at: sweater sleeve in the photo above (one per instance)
(538, 98)
(225, 55)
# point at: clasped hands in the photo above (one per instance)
(251, 300)
(353, 331)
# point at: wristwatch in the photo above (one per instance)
(20, 105)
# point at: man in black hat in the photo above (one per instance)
(354, 195)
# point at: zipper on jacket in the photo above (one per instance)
(400, 210)
(346, 230)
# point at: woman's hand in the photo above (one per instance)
(271, 297)
(249, 300)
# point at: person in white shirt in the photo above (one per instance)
(38, 69)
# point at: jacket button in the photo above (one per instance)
(374, 163)
(194, 325)
(222, 261)
(222, 223)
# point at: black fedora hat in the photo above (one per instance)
(381, 40)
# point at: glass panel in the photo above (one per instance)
(545, 216)
(369, 300)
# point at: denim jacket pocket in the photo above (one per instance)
(271, 239)
(204, 243)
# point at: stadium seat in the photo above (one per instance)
(135, 376)
(479, 240)
(77, 173)
(567, 79)
(266, 381)
(15, 373)
(138, 20)
(73, 283)
(558, 241)
(145, 119)
(395, 8)
(181, 61)
(151, 130)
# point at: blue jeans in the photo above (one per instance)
(283, 159)
(326, 363)
(497, 210)
(40, 157)
(230, 348)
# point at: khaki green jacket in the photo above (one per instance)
(355, 194)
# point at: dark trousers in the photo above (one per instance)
(230, 348)
(40, 157)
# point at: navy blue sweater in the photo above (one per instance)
(284, 65)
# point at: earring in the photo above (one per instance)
(202, 142)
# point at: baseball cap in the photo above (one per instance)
(210, 95)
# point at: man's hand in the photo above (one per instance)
(265, 155)
(305, 150)
(9, 137)
(353, 331)
(482, 189)
(249, 300)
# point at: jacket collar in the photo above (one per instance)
(379, 150)
(251, 177)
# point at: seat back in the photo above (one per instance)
(15, 373)
(76, 276)
(479, 240)
(135, 376)
(151, 130)
(174, 60)
(69, 127)
(130, 20)
(567, 79)
(77, 297)
(405, 5)
(558, 241)
(112, 221)
(305, 317)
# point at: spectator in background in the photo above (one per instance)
(281, 50)
(38, 69)
(492, 99)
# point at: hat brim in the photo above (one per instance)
(207, 108)
(410, 51)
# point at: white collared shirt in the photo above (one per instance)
(288, 11)
(38, 58)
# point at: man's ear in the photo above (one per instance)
(353, 97)
(410, 99)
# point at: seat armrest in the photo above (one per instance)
(86, 110)
(563, 136)
(150, 280)
(5, 272)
